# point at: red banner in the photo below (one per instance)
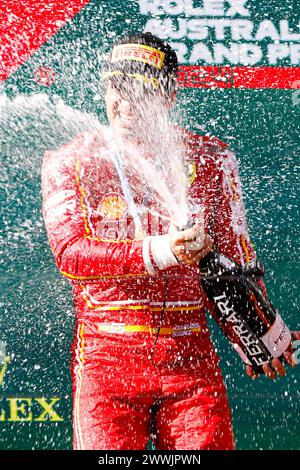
(25, 25)
(226, 76)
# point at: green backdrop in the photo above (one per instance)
(36, 322)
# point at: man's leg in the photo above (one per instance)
(197, 420)
(110, 424)
(111, 398)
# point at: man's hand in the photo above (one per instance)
(277, 366)
(190, 245)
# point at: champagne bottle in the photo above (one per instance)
(246, 316)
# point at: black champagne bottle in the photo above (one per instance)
(246, 316)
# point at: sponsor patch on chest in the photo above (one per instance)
(113, 207)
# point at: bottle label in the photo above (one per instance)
(233, 321)
(278, 338)
(241, 353)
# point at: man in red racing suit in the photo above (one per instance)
(142, 359)
(119, 372)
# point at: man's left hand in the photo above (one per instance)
(277, 367)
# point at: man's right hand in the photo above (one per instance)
(190, 245)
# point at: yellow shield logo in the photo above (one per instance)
(113, 207)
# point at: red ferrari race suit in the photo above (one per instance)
(142, 359)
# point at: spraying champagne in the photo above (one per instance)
(243, 312)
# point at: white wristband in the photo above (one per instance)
(161, 252)
(159, 247)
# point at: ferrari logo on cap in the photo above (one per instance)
(139, 52)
